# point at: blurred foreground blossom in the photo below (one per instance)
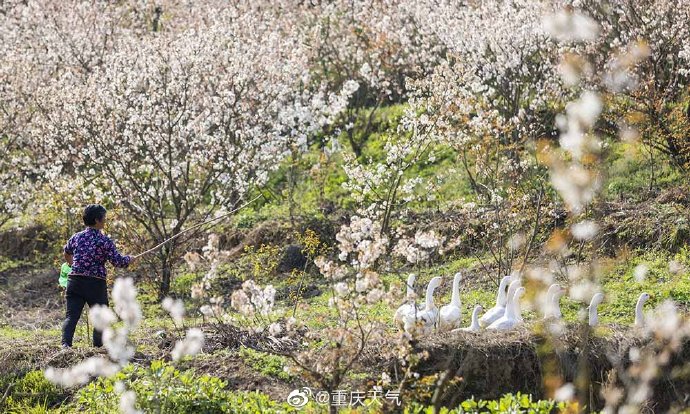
(666, 322)
(116, 341)
(190, 345)
(584, 230)
(101, 317)
(676, 267)
(571, 26)
(640, 272)
(565, 393)
(128, 399)
(82, 372)
(126, 304)
(175, 307)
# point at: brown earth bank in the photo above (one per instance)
(486, 365)
(31, 298)
(489, 364)
(26, 242)
(660, 223)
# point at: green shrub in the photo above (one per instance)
(509, 403)
(7, 263)
(162, 388)
(32, 393)
(267, 364)
(181, 285)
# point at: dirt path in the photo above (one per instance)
(30, 298)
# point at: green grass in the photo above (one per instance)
(8, 332)
(618, 284)
(507, 403)
(630, 172)
(161, 387)
(266, 364)
(622, 289)
(7, 263)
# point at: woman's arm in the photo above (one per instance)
(114, 257)
(68, 252)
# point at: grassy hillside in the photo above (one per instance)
(642, 252)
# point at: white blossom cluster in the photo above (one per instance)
(361, 241)
(629, 32)
(128, 399)
(353, 279)
(164, 107)
(419, 248)
(499, 73)
(82, 372)
(378, 44)
(253, 300)
(175, 307)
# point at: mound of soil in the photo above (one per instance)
(31, 298)
(26, 241)
(281, 233)
(232, 369)
(490, 364)
(643, 226)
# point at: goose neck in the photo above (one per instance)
(516, 306)
(430, 296)
(593, 317)
(555, 303)
(501, 296)
(455, 299)
(475, 319)
(510, 307)
(639, 317)
(410, 289)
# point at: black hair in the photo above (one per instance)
(93, 212)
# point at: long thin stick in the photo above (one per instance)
(197, 226)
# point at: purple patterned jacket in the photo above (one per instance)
(91, 249)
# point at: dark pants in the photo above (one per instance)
(80, 290)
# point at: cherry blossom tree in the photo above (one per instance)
(377, 43)
(43, 41)
(490, 100)
(653, 87)
(180, 125)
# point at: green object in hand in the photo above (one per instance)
(64, 271)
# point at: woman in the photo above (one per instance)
(89, 250)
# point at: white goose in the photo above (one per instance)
(499, 309)
(408, 307)
(510, 319)
(424, 321)
(474, 326)
(516, 304)
(449, 315)
(593, 316)
(547, 302)
(555, 303)
(639, 316)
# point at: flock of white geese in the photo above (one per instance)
(505, 315)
